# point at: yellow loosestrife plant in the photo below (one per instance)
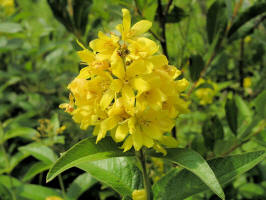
(127, 88)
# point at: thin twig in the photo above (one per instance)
(167, 7)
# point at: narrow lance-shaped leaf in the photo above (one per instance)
(40, 152)
(231, 114)
(176, 185)
(35, 169)
(195, 67)
(85, 151)
(194, 162)
(253, 11)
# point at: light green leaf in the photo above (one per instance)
(8, 27)
(85, 151)
(177, 185)
(40, 152)
(82, 183)
(193, 162)
(29, 191)
(259, 104)
(20, 132)
(35, 169)
(119, 173)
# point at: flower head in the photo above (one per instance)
(127, 89)
(207, 94)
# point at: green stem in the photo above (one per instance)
(61, 183)
(8, 172)
(147, 185)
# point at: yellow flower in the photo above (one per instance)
(137, 29)
(247, 82)
(206, 95)
(128, 90)
(53, 198)
(8, 6)
(139, 195)
(105, 45)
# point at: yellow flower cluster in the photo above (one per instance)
(139, 195)
(127, 89)
(206, 95)
(8, 6)
(247, 82)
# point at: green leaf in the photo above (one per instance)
(147, 7)
(8, 27)
(252, 191)
(253, 11)
(259, 104)
(35, 169)
(119, 173)
(216, 19)
(205, 85)
(86, 150)
(20, 132)
(193, 162)
(231, 111)
(212, 130)
(177, 185)
(40, 152)
(176, 15)
(195, 67)
(28, 191)
(82, 183)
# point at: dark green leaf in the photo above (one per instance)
(177, 185)
(231, 114)
(212, 130)
(216, 19)
(85, 151)
(119, 173)
(176, 15)
(82, 183)
(253, 11)
(195, 67)
(193, 162)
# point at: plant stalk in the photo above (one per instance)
(147, 184)
(61, 183)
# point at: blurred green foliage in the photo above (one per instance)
(219, 40)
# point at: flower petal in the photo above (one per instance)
(140, 27)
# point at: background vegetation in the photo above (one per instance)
(220, 41)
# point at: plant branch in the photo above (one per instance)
(167, 7)
(162, 22)
(241, 63)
